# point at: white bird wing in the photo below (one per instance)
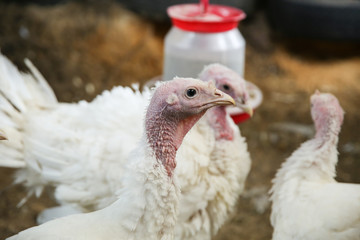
(75, 227)
(318, 211)
(339, 206)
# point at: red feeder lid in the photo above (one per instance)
(217, 18)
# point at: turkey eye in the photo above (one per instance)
(191, 92)
(226, 87)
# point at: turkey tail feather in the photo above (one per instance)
(18, 93)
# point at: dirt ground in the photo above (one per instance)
(82, 49)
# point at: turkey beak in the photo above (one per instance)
(214, 97)
(3, 136)
(222, 98)
(240, 103)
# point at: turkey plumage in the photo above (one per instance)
(79, 149)
(147, 205)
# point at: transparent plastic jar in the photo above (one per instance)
(197, 39)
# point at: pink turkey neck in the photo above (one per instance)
(217, 120)
(328, 124)
(165, 133)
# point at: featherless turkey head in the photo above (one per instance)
(175, 107)
(184, 97)
(326, 111)
(229, 82)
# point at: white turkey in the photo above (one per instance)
(307, 202)
(84, 157)
(147, 204)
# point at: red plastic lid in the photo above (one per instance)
(217, 18)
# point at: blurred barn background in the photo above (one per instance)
(293, 48)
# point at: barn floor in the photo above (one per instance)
(83, 49)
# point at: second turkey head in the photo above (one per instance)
(230, 83)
